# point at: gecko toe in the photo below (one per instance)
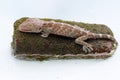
(87, 49)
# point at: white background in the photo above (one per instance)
(90, 11)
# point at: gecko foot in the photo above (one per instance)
(88, 48)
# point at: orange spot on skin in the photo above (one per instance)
(56, 27)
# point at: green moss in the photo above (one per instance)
(55, 45)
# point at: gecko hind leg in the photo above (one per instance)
(87, 48)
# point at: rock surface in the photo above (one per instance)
(33, 46)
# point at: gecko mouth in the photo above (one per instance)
(25, 30)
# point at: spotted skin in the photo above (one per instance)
(35, 25)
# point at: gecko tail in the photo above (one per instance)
(102, 36)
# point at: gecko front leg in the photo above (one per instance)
(86, 47)
(45, 34)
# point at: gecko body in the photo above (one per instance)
(35, 25)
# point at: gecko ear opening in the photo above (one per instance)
(39, 28)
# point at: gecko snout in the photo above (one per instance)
(24, 28)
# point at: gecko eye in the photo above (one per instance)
(30, 25)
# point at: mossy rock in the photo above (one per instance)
(33, 46)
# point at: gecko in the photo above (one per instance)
(35, 25)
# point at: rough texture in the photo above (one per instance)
(31, 45)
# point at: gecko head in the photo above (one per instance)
(33, 25)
